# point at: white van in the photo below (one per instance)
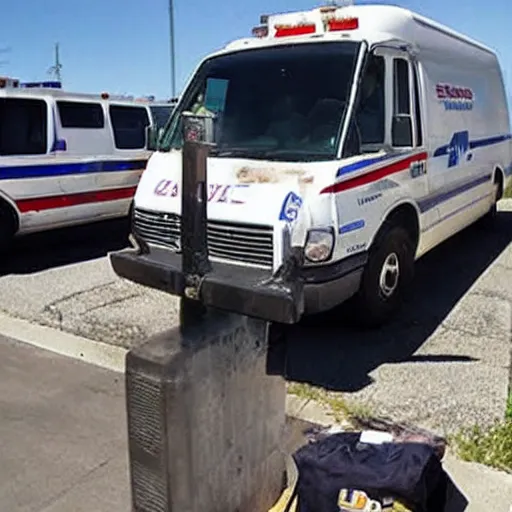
(67, 158)
(365, 134)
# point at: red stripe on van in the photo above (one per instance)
(376, 175)
(38, 204)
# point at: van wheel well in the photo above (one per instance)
(9, 221)
(499, 180)
(405, 216)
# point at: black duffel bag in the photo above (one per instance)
(340, 469)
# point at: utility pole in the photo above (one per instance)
(57, 67)
(172, 48)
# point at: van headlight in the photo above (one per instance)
(319, 244)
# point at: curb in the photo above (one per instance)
(110, 357)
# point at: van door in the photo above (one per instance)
(406, 123)
(457, 179)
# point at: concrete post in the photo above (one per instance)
(205, 422)
(205, 417)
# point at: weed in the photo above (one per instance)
(341, 410)
(491, 446)
(508, 191)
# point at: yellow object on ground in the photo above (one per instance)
(283, 501)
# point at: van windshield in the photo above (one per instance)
(279, 103)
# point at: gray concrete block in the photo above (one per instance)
(205, 421)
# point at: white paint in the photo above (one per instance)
(106, 356)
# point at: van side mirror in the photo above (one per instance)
(401, 131)
(152, 137)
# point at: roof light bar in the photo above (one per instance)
(9, 82)
(260, 31)
(337, 24)
(295, 30)
(51, 84)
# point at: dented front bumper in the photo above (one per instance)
(245, 290)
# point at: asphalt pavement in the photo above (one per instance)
(63, 434)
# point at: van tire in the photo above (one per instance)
(489, 219)
(381, 292)
(7, 227)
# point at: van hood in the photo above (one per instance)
(239, 190)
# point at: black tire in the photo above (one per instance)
(7, 228)
(378, 300)
(489, 219)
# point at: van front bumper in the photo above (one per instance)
(246, 290)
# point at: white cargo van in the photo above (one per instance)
(67, 158)
(365, 134)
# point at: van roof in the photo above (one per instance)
(41, 92)
(375, 23)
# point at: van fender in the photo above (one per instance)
(398, 206)
(10, 203)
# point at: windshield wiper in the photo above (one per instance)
(240, 152)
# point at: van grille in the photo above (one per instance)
(244, 243)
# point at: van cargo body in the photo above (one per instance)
(366, 135)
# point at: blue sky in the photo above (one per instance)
(122, 46)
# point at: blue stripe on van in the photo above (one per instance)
(64, 169)
(361, 164)
(431, 202)
(456, 212)
(478, 143)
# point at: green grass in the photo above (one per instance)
(508, 191)
(341, 409)
(490, 446)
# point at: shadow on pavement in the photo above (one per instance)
(42, 251)
(326, 351)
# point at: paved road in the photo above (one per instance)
(63, 434)
(444, 362)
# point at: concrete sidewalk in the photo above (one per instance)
(63, 434)
(63, 438)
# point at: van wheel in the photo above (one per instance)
(386, 278)
(7, 228)
(488, 220)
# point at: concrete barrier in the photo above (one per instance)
(205, 421)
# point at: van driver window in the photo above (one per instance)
(370, 116)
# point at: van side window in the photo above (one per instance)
(401, 130)
(419, 132)
(370, 113)
(74, 114)
(161, 114)
(23, 126)
(129, 126)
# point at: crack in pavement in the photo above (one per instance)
(77, 294)
(54, 499)
(111, 302)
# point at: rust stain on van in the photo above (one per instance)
(266, 175)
